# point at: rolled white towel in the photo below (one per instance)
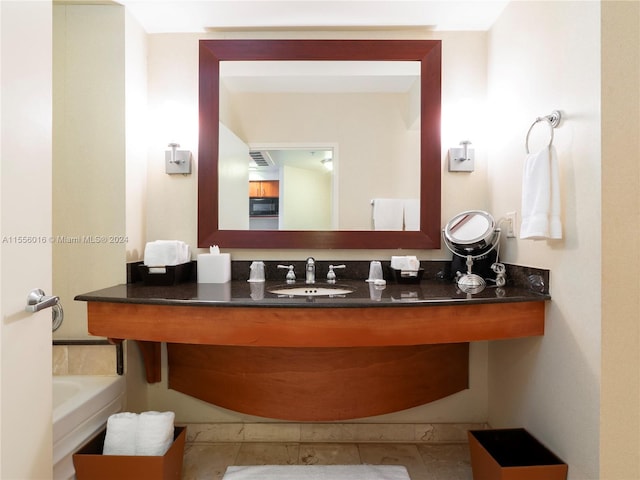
(155, 433)
(120, 438)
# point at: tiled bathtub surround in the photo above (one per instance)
(80, 357)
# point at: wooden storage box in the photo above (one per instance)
(512, 454)
(407, 276)
(90, 464)
(172, 275)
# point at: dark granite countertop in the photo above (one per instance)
(524, 284)
(240, 293)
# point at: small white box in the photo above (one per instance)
(214, 267)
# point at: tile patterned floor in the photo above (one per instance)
(423, 461)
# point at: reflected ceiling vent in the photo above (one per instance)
(262, 159)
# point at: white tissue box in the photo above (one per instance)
(214, 267)
(90, 464)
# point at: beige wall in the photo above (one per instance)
(306, 201)
(620, 390)
(100, 152)
(545, 56)
(136, 133)
(89, 154)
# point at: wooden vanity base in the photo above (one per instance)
(318, 384)
(317, 363)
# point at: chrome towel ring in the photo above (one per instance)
(553, 120)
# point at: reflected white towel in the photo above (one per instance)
(541, 196)
(120, 438)
(412, 214)
(388, 214)
(161, 253)
(155, 433)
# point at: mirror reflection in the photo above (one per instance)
(283, 124)
(226, 185)
(291, 189)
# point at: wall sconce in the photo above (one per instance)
(177, 161)
(461, 159)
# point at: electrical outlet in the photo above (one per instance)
(511, 218)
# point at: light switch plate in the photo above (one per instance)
(181, 165)
(456, 162)
(512, 218)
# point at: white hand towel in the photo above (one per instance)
(541, 196)
(120, 438)
(412, 214)
(161, 253)
(155, 433)
(388, 214)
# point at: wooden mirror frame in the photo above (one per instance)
(427, 52)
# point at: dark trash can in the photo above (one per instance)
(512, 454)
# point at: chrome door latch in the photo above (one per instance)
(37, 300)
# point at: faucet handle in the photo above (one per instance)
(291, 275)
(331, 275)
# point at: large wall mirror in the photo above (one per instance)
(274, 114)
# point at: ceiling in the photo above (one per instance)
(164, 16)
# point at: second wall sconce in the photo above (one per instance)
(177, 161)
(461, 159)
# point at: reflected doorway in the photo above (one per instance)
(292, 187)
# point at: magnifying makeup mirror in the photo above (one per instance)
(473, 234)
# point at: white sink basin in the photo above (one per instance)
(312, 290)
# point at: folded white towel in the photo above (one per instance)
(120, 438)
(388, 214)
(317, 472)
(155, 433)
(407, 262)
(161, 253)
(541, 196)
(412, 214)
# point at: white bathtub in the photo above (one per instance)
(81, 406)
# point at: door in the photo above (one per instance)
(25, 248)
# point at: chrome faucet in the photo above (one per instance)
(310, 269)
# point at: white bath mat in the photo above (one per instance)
(317, 472)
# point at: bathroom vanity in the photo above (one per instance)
(373, 351)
